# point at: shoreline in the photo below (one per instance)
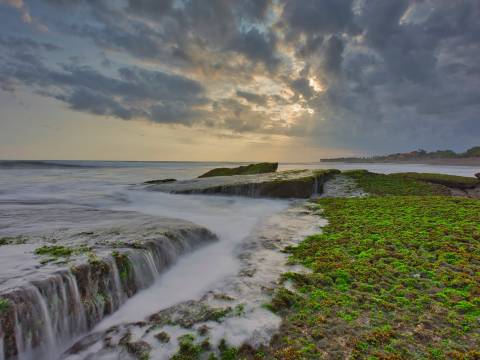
(443, 161)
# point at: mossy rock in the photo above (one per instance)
(260, 168)
(284, 188)
(395, 184)
(159, 181)
(452, 181)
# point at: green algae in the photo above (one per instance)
(393, 277)
(260, 168)
(188, 349)
(394, 184)
(13, 240)
(124, 265)
(60, 251)
(453, 181)
(4, 305)
(192, 349)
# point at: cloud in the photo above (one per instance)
(319, 16)
(333, 54)
(25, 13)
(302, 87)
(240, 118)
(361, 73)
(134, 93)
(257, 47)
(252, 97)
(26, 44)
(95, 102)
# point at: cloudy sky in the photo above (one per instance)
(289, 80)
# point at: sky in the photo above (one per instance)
(237, 80)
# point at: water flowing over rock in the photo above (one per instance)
(65, 268)
(285, 184)
(342, 186)
(232, 310)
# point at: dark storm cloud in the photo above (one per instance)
(391, 73)
(149, 7)
(405, 81)
(255, 9)
(257, 47)
(333, 54)
(24, 43)
(302, 87)
(175, 33)
(95, 102)
(135, 92)
(252, 97)
(319, 16)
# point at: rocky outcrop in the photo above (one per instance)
(285, 184)
(450, 181)
(469, 193)
(252, 169)
(80, 267)
(159, 181)
(477, 175)
(341, 186)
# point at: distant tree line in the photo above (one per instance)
(413, 155)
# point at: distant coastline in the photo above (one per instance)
(471, 157)
(474, 161)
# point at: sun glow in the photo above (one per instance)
(316, 84)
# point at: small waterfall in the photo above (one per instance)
(119, 293)
(315, 187)
(144, 268)
(78, 315)
(33, 326)
(46, 315)
(2, 347)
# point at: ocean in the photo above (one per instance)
(109, 183)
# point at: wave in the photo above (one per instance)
(41, 164)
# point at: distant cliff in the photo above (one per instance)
(417, 155)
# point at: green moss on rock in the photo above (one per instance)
(260, 168)
(189, 350)
(4, 305)
(159, 181)
(13, 240)
(59, 251)
(126, 272)
(394, 184)
(393, 277)
(452, 181)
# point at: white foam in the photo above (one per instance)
(231, 218)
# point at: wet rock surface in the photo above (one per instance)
(285, 184)
(231, 313)
(342, 186)
(159, 181)
(65, 268)
(473, 193)
(259, 168)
